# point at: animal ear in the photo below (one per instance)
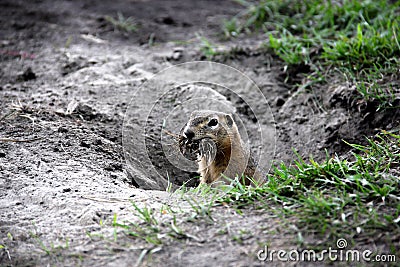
(229, 120)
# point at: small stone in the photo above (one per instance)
(2, 154)
(66, 190)
(176, 55)
(179, 49)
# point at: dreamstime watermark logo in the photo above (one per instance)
(340, 253)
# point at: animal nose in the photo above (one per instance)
(189, 134)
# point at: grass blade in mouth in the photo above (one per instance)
(189, 148)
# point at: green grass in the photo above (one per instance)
(378, 84)
(207, 48)
(357, 37)
(148, 228)
(122, 23)
(353, 198)
(155, 230)
(51, 250)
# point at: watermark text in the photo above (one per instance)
(340, 253)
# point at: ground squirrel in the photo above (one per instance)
(213, 138)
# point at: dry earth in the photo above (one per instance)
(67, 78)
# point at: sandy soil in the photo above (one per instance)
(67, 78)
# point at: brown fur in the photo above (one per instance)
(231, 158)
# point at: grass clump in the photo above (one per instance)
(147, 228)
(357, 198)
(354, 197)
(122, 24)
(208, 49)
(371, 45)
(157, 229)
(357, 37)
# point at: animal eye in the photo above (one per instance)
(213, 122)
